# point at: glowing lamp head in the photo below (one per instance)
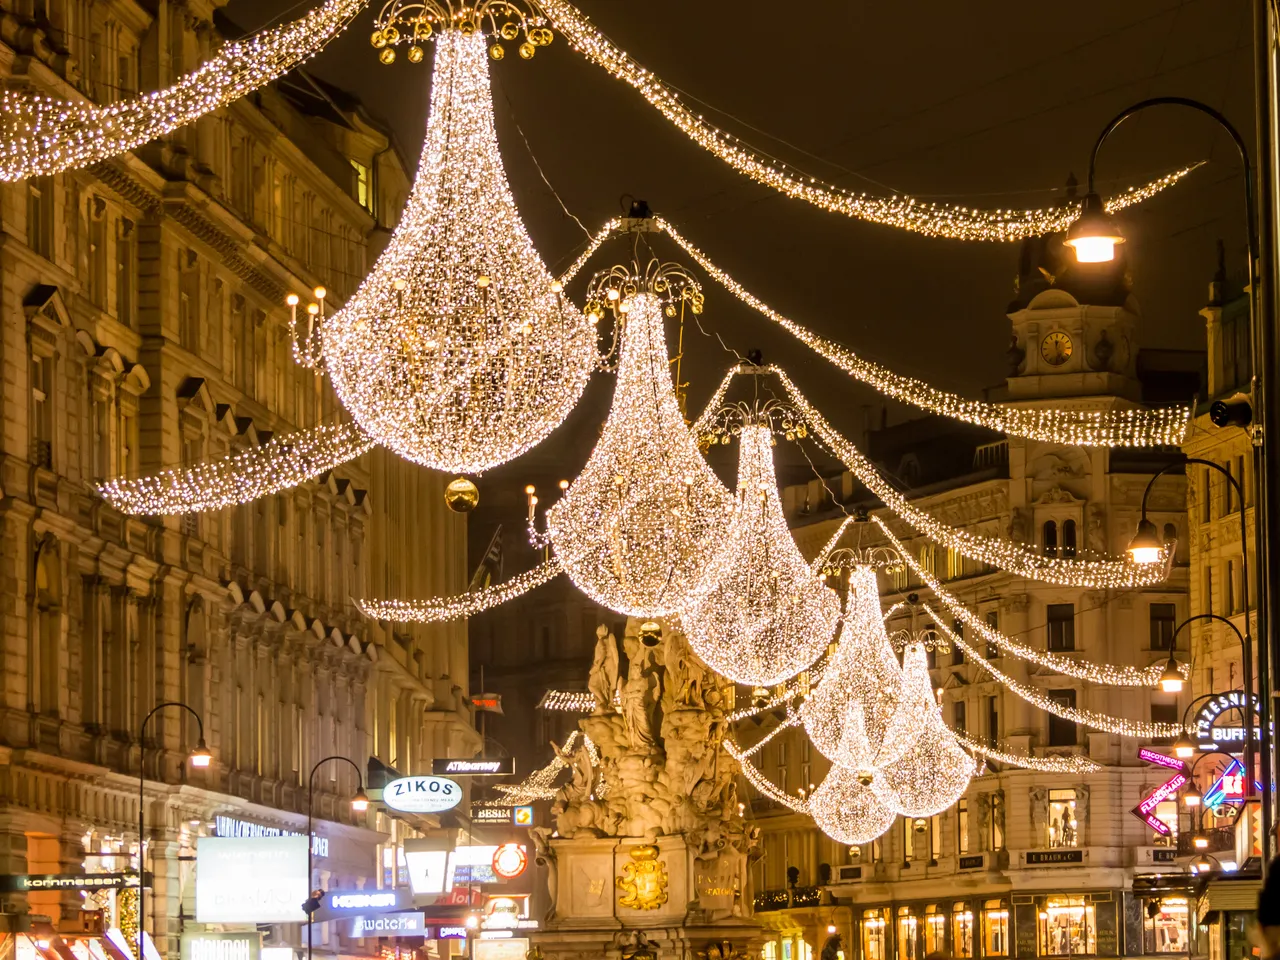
(320, 293)
(360, 802)
(1171, 678)
(1184, 748)
(1145, 547)
(291, 299)
(1094, 235)
(1200, 841)
(1192, 797)
(200, 756)
(1202, 865)
(313, 309)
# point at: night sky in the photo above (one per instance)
(990, 108)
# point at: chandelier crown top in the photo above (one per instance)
(416, 22)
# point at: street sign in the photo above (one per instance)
(498, 766)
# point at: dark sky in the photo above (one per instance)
(988, 108)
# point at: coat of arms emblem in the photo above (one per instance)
(644, 879)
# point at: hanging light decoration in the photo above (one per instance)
(459, 351)
(863, 671)
(847, 808)
(640, 523)
(757, 614)
(933, 772)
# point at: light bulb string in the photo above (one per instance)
(761, 783)
(1070, 763)
(442, 609)
(1120, 726)
(905, 212)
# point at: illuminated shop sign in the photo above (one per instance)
(422, 794)
(221, 946)
(1211, 735)
(473, 768)
(390, 925)
(234, 827)
(349, 901)
(251, 880)
(20, 882)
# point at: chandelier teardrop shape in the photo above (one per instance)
(846, 806)
(456, 351)
(758, 614)
(639, 524)
(863, 670)
(933, 772)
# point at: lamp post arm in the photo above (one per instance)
(311, 786)
(1235, 484)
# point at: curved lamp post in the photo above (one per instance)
(1145, 539)
(200, 757)
(359, 804)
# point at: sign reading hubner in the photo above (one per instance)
(422, 794)
(257, 880)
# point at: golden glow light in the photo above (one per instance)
(848, 809)
(276, 465)
(757, 614)
(1094, 249)
(904, 212)
(44, 135)
(455, 351)
(1063, 763)
(636, 528)
(441, 609)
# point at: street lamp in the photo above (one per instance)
(359, 804)
(1192, 797)
(1184, 748)
(1171, 678)
(1094, 233)
(1145, 530)
(199, 757)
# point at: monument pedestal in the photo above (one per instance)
(626, 898)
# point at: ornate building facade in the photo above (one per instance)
(145, 328)
(1027, 864)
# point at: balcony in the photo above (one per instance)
(1220, 839)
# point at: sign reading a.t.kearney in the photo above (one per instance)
(499, 766)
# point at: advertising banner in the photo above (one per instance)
(251, 880)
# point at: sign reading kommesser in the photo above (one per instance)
(499, 766)
(422, 794)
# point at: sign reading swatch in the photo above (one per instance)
(251, 880)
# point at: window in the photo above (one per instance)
(935, 838)
(961, 930)
(993, 719)
(42, 411)
(96, 282)
(993, 621)
(1230, 584)
(908, 946)
(1167, 813)
(126, 270)
(364, 195)
(958, 716)
(995, 929)
(1164, 713)
(1208, 588)
(935, 930)
(1062, 626)
(1229, 489)
(1069, 538)
(957, 653)
(1244, 486)
(1062, 827)
(962, 826)
(1062, 733)
(1206, 496)
(1163, 620)
(1166, 926)
(873, 934)
(1067, 927)
(40, 215)
(908, 840)
(877, 851)
(1049, 538)
(997, 821)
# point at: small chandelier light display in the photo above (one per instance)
(414, 22)
(642, 521)
(758, 614)
(459, 350)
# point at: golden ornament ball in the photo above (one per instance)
(497, 52)
(387, 56)
(467, 27)
(378, 40)
(510, 30)
(527, 50)
(415, 54)
(391, 35)
(461, 495)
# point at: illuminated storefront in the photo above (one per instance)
(995, 928)
(908, 934)
(875, 934)
(1166, 926)
(935, 930)
(961, 930)
(1068, 927)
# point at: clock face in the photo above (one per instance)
(1056, 348)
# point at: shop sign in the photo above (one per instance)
(422, 794)
(449, 933)
(221, 946)
(1053, 857)
(973, 862)
(501, 766)
(1159, 759)
(251, 880)
(1211, 735)
(488, 702)
(22, 882)
(490, 948)
(235, 827)
(482, 814)
(344, 902)
(1164, 855)
(1146, 808)
(522, 816)
(390, 925)
(1228, 788)
(509, 861)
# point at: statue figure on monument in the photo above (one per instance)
(638, 699)
(602, 681)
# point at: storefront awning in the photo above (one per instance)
(1235, 893)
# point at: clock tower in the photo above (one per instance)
(1074, 326)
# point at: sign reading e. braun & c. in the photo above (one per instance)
(422, 794)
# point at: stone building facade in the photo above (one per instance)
(144, 328)
(1027, 864)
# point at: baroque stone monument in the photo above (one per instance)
(649, 857)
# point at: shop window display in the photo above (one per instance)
(1067, 927)
(873, 934)
(1063, 829)
(1166, 926)
(908, 940)
(961, 930)
(995, 929)
(935, 930)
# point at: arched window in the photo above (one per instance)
(1170, 533)
(1050, 539)
(1068, 538)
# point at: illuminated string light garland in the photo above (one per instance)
(1010, 555)
(1072, 763)
(593, 245)
(1088, 718)
(1136, 427)
(1100, 673)
(639, 524)
(568, 701)
(793, 719)
(763, 784)
(459, 351)
(904, 212)
(442, 609)
(44, 135)
(276, 465)
(757, 613)
(540, 785)
(713, 407)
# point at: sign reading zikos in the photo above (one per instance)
(422, 794)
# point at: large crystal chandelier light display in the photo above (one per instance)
(459, 351)
(641, 521)
(758, 614)
(847, 807)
